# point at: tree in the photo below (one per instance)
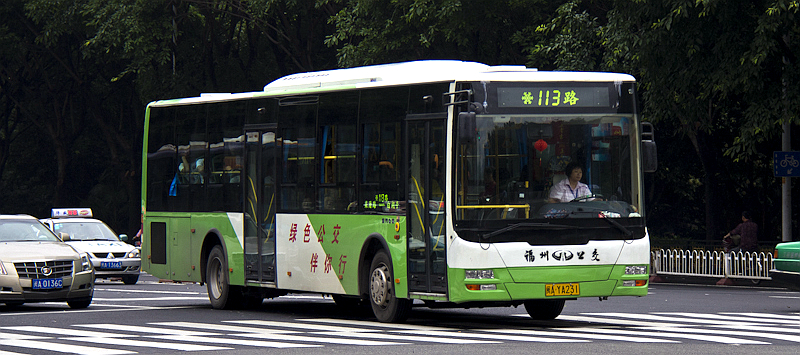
(374, 32)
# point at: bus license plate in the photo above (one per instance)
(562, 289)
(46, 284)
(111, 264)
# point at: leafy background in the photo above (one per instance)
(718, 79)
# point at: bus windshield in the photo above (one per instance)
(518, 166)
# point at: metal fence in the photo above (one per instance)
(740, 265)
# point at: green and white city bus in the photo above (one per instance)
(425, 180)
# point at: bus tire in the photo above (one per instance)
(385, 305)
(221, 294)
(544, 309)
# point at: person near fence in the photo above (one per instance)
(746, 233)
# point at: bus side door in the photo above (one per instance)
(260, 204)
(425, 148)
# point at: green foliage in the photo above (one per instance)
(718, 79)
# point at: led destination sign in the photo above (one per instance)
(554, 96)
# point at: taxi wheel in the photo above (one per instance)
(79, 303)
(544, 309)
(130, 279)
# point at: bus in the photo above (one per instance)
(424, 183)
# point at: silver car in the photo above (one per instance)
(36, 266)
(109, 254)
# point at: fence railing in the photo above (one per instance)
(706, 263)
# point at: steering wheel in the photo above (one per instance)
(587, 197)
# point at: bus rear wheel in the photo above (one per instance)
(385, 305)
(220, 292)
(544, 309)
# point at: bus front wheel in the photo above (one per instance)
(386, 306)
(544, 309)
(220, 292)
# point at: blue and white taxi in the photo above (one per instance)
(110, 255)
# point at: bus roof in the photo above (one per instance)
(404, 73)
(428, 71)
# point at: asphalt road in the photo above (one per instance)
(169, 318)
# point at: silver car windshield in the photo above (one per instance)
(85, 231)
(25, 231)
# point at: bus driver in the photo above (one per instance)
(570, 188)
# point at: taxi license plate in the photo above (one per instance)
(111, 264)
(46, 284)
(562, 289)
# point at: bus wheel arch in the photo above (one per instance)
(372, 245)
(211, 240)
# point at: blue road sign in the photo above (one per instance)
(786, 164)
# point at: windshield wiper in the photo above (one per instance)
(521, 225)
(627, 232)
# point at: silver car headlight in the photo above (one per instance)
(86, 265)
(133, 254)
(3, 269)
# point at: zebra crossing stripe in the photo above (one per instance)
(666, 319)
(637, 333)
(317, 339)
(226, 341)
(137, 343)
(12, 336)
(765, 329)
(63, 348)
(382, 326)
(756, 333)
(505, 337)
(225, 327)
(304, 326)
(10, 353)
(68, 332)
(399, 337)
(621, 322)
(732, 318)
(137, 329)
(794, 318)
(623, 337)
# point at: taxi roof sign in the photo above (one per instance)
(70, 212)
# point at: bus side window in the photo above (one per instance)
(337, 146)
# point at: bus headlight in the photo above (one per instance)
(635, 270)
(478, 274)
(632, 283)
(490, 287)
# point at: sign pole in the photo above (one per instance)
(786, 188)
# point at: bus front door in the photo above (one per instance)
(259, 246)
(425, 147)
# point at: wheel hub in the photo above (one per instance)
(379, 286)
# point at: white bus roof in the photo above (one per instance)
(404, 73)
(428, 71)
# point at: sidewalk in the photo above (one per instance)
(712, 281)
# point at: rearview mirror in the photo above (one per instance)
(649, 151)
(466, 127)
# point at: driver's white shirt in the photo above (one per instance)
(564, 193)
